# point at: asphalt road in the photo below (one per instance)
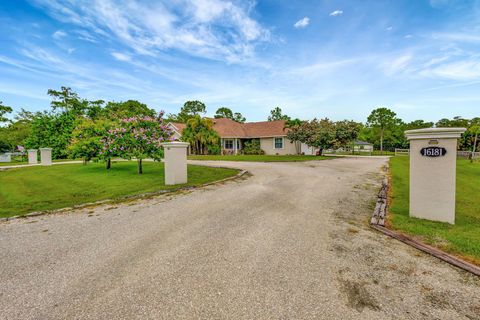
(290, 242)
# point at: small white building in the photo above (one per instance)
(362, 146)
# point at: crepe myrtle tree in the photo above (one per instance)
(137, 137)
(315, 133)
(346, 132)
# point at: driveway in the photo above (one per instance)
(290, 242)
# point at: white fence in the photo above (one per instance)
(468, 154)
(7, 157)
(402, 152)
(460, 154)
(348, 151)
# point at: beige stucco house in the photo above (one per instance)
(233, 135)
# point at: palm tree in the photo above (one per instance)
(200, 134)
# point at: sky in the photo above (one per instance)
(321, 58)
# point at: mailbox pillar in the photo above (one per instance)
(46, 156)
(175, 162)
(32, 156)
(433, 158)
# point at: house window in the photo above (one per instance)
(278, 143)
(229, 144)
(238, 144)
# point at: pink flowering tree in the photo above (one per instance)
(137, 137)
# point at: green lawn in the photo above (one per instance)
(258, 158)
(3, 164)
(20, 163)
(25, 190)
(463, 238)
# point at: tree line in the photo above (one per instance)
(77, 128)
(383, 129)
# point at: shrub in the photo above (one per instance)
(253, 147)
(213, 149)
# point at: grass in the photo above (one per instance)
(463, 238)
(29, 189)
(257, 158)
(13, 163)
(20, 163)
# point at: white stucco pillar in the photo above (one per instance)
(433, 158)
(32, 156)
(175, 162)
(46, 156)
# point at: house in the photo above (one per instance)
(233, 135)
(362, 146)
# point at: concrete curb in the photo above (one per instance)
(125, 198)
(378, 223)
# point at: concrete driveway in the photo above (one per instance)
(290, 242)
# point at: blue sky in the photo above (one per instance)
(336, 59)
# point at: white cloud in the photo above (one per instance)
(336, 13)
(302, 23)
(390, 28)
(121, 56)
(71, 50)
(45, 63)
(464, 70)
(408, 36)
(59, 34)
(397, 65)
(435, 61)
(213, 29)
(323, 67)
(86, 36)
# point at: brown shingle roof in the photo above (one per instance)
(180, 126)
(227, 128)
(265, 129)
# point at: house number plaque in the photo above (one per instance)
(433, 152)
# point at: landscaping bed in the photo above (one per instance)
(463, 238)
(257, 158)
(38, 188)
